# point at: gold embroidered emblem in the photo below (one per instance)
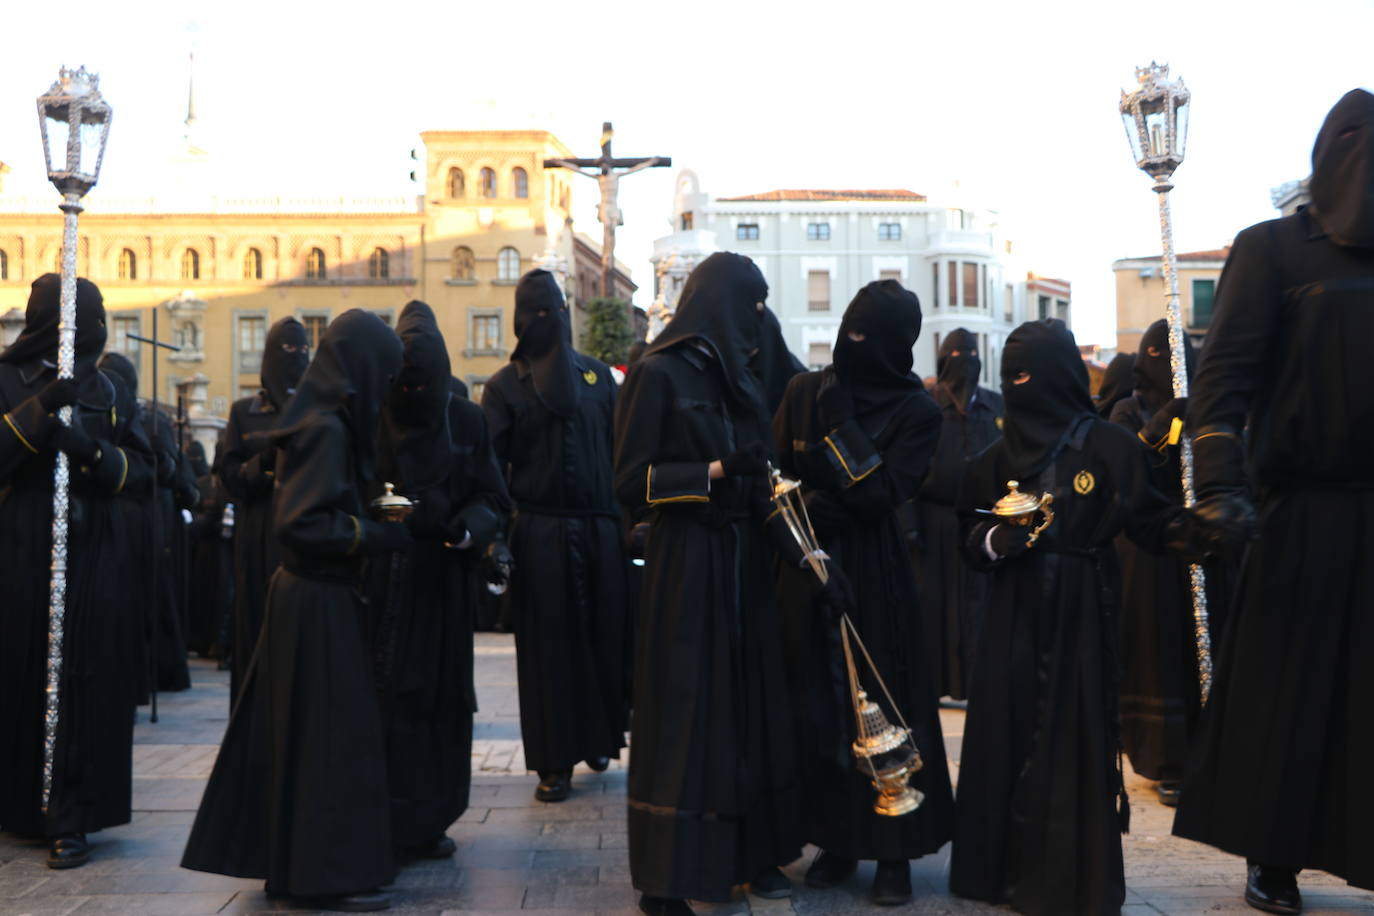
(998, 421)
(1083, 483)
(589, 376)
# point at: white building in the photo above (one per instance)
(818, 248)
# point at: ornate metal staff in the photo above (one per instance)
(75, 122)
(1156, 118)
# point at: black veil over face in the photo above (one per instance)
(877, 369)
(720, 306)
(285, 356)
(357, 361)
(415, 421)
(120, 365)
(38, 340)
(1117, 382)
(1154, 374)
(545, 333)
(773, 364)
(1042, 411)
(959, 374)
(1342, 182)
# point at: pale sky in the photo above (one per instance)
(1015, 101)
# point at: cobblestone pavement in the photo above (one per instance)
(516, 855)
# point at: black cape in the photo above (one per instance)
(299, 794)
(1287, 353)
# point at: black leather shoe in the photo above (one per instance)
(663, 906)
(599, 764)
(771, 884)
(364, 902)
(828, 870)
(70, 850)
(553, 787)
(1168, 793)
(892, 883)
(1274, 890)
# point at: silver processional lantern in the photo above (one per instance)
(75, 122)
(1156, 118)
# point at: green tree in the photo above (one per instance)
(607, 334)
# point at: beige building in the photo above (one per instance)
(218, 272)
(1140, 294)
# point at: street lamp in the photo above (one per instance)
(75, 122)
(1156, 119)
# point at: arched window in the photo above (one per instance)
(190, 264)
(4, 264)
(520, 181)
(314, 264)
(128, 265)
(508, 264)
(379, 264)
(457, 183)
(463, 263)
(486, 183)
(252, 264)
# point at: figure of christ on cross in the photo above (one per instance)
(608, 170)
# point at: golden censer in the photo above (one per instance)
(1017, 508)
(391, 506)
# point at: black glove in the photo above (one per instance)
(1010, 540)
(498, 564)
(479, 521)
(390, 537)
(638, 540)
(58, 393)
(1226, 519)
(834, 402)
(835, 595)
(1157, 430)
(80, 448)
(746, 461)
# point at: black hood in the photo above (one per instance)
(195, 454)
(1342, 182)
(773, 365)
(38, 340)
(1042, 411)
(545, 345)
(357, 361)
(1117, 383)
(285, 356)
(877, 369)
(415, 422)
(959, 375)
(720, 306)
(1154, 374)
(120, 365)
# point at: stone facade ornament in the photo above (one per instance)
(187, 312)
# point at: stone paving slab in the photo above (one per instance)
(519, 856)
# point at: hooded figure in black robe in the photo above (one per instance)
(209, 556)
(1280, 772)
(953, 594)
(421, 606)
(247, 470)
(1117, 383)
(1041, 804)
(859, 435)
(714, 796)
(773, 365)
(550, 413)
(299, 791)
(106, 453)
(161, 539)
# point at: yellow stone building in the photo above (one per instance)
(1140, 294)
(219, 271)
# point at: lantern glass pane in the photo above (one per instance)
(57, 131)
(92, 136)
(1156, 127)
(1132, 134)
(1181, 143)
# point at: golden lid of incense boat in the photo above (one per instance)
(391, 505)
(1016, 504)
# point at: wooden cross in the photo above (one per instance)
(608, 170)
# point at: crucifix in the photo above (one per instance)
(608, 170)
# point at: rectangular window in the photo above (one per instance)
(686, 221)
(1043, 307)
(314, 329)
(935, 285)
(889, 232)
(970, 291)
(890, 275)
(486, 332)
(746, 232)
(475, 388)
(121, 326)
(818, 291)
(817, 355)
(952, 278)
(818, 232)
(1204, 297)
(252, 338)
(1061, 310)
(1008, 304)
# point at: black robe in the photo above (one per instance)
(1280, 770)
(857, 526)
(211, 584)
(1037, 822)
(169, 541)
(714, 794)
(570, 586)
(246, 470)
(92, 773)
(954, 595)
